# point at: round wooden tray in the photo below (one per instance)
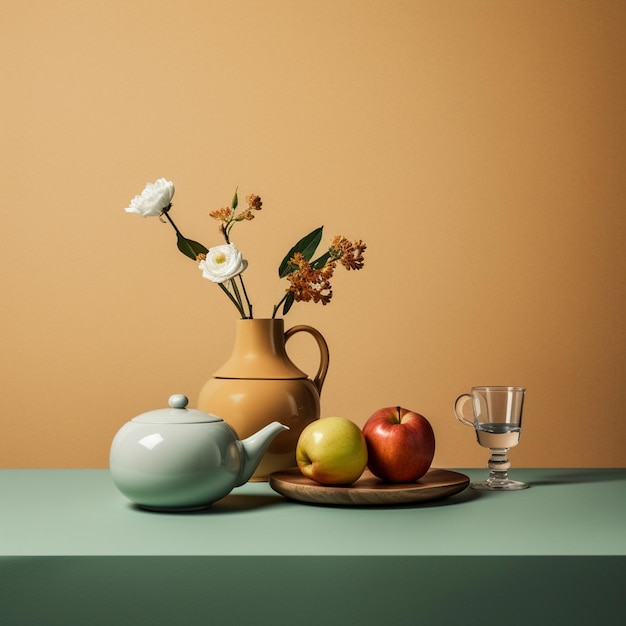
(369, 490)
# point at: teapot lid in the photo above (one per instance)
(176, 414)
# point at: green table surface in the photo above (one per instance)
(80, 512)
(74, 551)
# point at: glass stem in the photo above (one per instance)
(499, 464)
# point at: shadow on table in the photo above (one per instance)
(467, 495)
(578, 476)
(236, 503)
(232, 503)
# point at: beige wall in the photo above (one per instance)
(477, 146)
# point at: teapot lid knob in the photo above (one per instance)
(178, 401)
(178, 413)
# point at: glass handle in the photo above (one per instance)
(459, 404)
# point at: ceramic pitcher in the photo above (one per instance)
(259, 384)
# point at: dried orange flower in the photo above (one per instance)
(223, 214)
(229, 215)
(309, 284)
(245, 215)
(349, 253)
(254, 202)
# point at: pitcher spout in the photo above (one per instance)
(254, 448)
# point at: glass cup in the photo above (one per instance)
(497, 420)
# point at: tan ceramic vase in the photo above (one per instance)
(259, 384)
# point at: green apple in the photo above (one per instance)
(332, 451)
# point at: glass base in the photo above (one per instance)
(499, 484)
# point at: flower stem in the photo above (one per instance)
(277, 306)
(238, 296)
(245, 293)
(169, 219)
(181, 237)
(228, 227)
(233, 300)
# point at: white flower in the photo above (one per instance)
(154, 199)
(222, 263)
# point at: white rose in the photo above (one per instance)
(222, 263)
(154, 199)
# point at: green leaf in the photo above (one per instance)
(306, 246)
(190, 248)
(288, 303)
(235, 201)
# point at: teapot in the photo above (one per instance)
(181, 459)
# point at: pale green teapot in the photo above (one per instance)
(181, 459)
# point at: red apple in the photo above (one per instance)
(400, 444)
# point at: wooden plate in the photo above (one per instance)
(369, 490)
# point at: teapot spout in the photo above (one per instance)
(254, 448)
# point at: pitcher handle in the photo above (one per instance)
(459, 403)
(318, 381)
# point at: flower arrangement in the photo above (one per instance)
(308, 278)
